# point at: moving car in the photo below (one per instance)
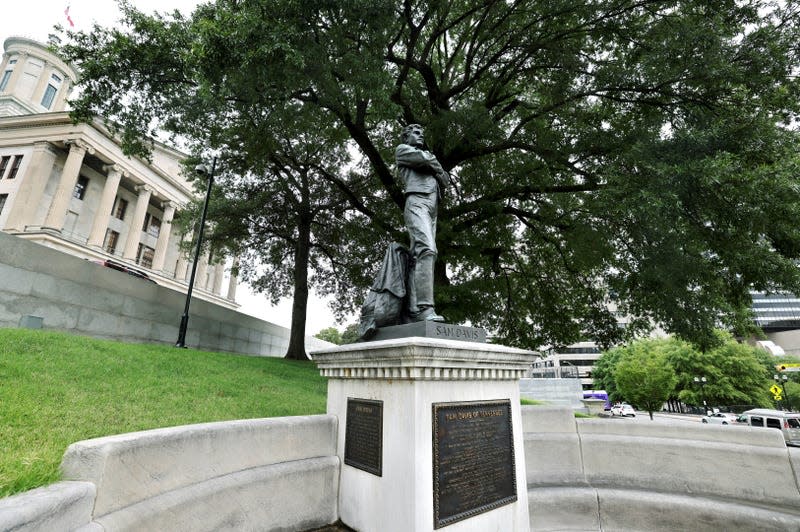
(786, 422)
(623, 409)
(720, 418)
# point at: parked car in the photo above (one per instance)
(786, 422)
(623, 409)
(124, 268)
(720, 418)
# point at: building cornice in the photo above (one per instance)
(97, 128)
(20, 44)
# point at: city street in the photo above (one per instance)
(665, 419)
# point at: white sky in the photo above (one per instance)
(35, 19)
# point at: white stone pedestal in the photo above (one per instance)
(406, 377)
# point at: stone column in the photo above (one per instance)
(103, 213)
(430, 433)
(200, 280)
(60, 101)
(182, 268)
(163, 236)
(135, 230)
(4, 64)
(41, 84)
(69, 176)
(232, 282)
(31, 187)
(219, 273)
(22, 58)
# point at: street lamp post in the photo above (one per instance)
(702, 382)
(201, 170)
(781, 380)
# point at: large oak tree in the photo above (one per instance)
(634, 151)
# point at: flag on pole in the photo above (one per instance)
(69, 19)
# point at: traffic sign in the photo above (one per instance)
(775, 389)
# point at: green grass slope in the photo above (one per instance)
(56, 389)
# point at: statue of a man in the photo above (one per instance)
(425, 182)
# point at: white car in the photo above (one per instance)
(623, 409)
(720, 418)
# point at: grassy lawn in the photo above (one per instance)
(56, 389)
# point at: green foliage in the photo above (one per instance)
(643, 375)
(56, 389)
(603, 373)
(594, 148)
(330, 334)
(736, 374)
(530, 402)
(333, 335)
(791, 397)
(350, 334)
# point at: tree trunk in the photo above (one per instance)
(297, 334)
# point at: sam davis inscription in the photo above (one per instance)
(473, 459)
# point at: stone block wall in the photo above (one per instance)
(78, 296)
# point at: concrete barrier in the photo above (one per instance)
(60, 506)
(283, 474)
(265, 474)
(591, 474)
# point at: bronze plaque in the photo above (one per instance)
(473, 459)
(363, 438)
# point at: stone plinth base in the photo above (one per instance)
(386, 395)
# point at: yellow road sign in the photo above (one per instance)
(775, 389)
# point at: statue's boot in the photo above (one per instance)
(423, 289)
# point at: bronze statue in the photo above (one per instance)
(425, 182)
(403, 289)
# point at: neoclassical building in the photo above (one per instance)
(71, 188)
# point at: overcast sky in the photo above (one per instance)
(35, 19)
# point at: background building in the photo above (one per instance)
(68, 193)
(572, 362)
(69, 186)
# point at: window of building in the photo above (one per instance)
(49, 96)
(4, 81)
(50, 91)
(3, 198)
(152, 225)
(4, 164)
(15, 167)
(80, 187)
(110, 243)
(120, 206)
(144, 256)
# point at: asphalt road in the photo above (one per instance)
(663, 418)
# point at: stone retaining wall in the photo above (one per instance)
(260, 474)
(78, 296)
(283, 474)
(595, 474)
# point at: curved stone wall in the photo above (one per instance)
(601, 474)
(259, 474)
(283, 474)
